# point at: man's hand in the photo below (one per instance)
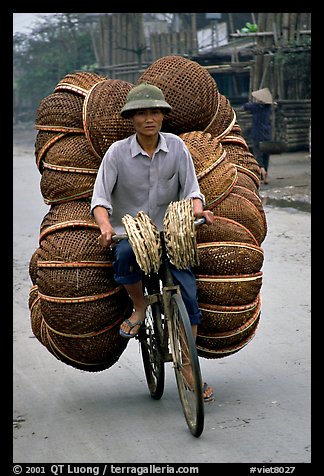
(105, 239)
(208, 215)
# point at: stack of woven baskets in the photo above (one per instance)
(76, 307)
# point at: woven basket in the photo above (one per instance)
(71, 150)
(102, 121)
(92, 351)
(249, 173)
(253, 198)
(240, 209)
(63, 184)
(44, 140)
(33, 266)
(60, 112)
(92, 354)
(232, 290)
(188, 88)
(223, 120)
(225, 229)
(72, 241)
(217, 182)
(227, 343)
(207, 353)
(244, 180)
(216, 175)
(216, 318)
(36, 314)
(226, 258)
(234, 137)
(79, 82)
(239, 155)
(83, 314)
(75, 279)
(79, 210)
(204, 149)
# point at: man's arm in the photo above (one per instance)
(102, 219)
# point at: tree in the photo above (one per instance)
(54, 48)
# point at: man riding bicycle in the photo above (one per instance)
(145, 172)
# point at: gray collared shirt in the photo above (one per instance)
(129, 181)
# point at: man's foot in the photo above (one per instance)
(208, 393)
(263, 174)
(130, 327)
(266, 178)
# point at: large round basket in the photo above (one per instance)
(231, 290)
(216, 318)
(242, 210)
(225, 258)
(188, 88)
(60, 112)
(223, 120)
(102, 121)
(216, 175)
(72, 150)
(213, 346)
(92, 345)
(79, 82)
(225, 229)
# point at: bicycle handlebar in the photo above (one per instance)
(124, 236)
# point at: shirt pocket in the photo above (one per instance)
(168, 190)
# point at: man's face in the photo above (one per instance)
(148, 122)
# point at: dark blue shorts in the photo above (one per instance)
(127, 271)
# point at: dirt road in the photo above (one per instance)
(262, 408)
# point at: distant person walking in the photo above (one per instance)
(261, 110)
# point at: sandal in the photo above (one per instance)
(209, 398)
(131, 325)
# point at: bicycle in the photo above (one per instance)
(166, 336)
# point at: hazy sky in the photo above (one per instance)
(22, 22)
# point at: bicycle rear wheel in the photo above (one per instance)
(186, 366)
(150, 337)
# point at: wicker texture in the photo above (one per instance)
(79, 82)
(102, 121)
(225, 229)
(76, 211)
(60, 110)
(71, 150)
(216, 318)
(216, 175)
(59, 185)
(93, 351)
(238, 155)
(223, 120)
(188, 88)
(216, 346)
(255, 199)
(225, 258)
(232, 290)
(242, 210)
(245, 180)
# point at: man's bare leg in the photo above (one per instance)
(208, 390)
(135, 292)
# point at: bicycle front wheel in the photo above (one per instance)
(186, 366)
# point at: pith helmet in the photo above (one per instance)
(263, 95)
(144, 96)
